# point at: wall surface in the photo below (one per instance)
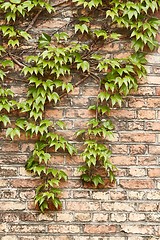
(126, 210)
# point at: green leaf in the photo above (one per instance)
(84, 65)
(44, 40)
(80, 132)
(61, 124)
(57, 203)
(15, 1)
(5, 120)
(97, 180)
(12, 132)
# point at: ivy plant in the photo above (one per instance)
(60, 56)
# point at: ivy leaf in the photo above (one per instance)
(61, 124)
(80, 132)
(44, 40)
(53, 182)
(57, 203)
(97, 180)
(15, 1)
(84, 65)
(86, 177)
(12, 132)
(5, 120)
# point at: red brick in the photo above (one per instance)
(146, 114)
(148, 207)
(82, 206)
(55, 113)
(154, 172)
(25, 183)
(80, 102)
(79, 113)
(130, 114)
(90, 91)
(157, 91)
(153, 149)
(153, 102)
(13, 159)
(99, 229)
(137, 184)
(138, 137)
(8, 171)
(136, 125)
(9, 217)
(147, 160)
(119, 149)
(136, 102)
(137, 149)
(12, 206)
(10, 147)
(74, 160)
(123, 160)
(154, 126)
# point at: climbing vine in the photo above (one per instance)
(54, 59)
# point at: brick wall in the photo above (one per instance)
(128, 210)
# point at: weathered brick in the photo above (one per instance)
(153, 195)
(118, 217)
(127, 207)
(137, 149)
(137, 184)
(148, 207)
(153, 149)
(25, 183)
(63, 228)
(65, 217)
(82, 217)
(138, 229)
(79, 113)
(154, 172)
(136, 125)
(137, 172)
(8, 171)
(94, 229)
(136, 195)
(154, 126)
(10, 205)
(136, 102)
(25, 228)
(147, 160)
(153, 217)
(100, 217)
(138, 137)
(123, 160)
(153, 80)
(146, 114)
(56, 113)
(125, 114)
(118, 195)
(100, 195)
(82, 206)
(9, 237)
(136, 217)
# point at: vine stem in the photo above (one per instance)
(34, 20)
(15, 60)
(75, 85)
